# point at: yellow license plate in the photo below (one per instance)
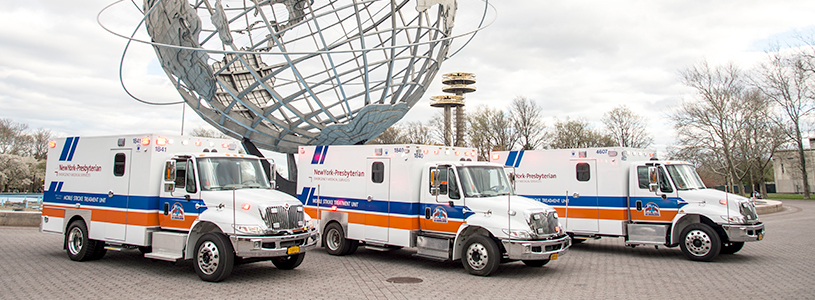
(553, 256)
(294, 249)
(760, 236)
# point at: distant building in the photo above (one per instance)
(786, 170)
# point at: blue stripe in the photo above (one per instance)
(315, 159)
(118, 201)
(66, 148)
(511, 158)
(73, 148)
(520, 155)
(605, 202)
(322, 156)
(53, 186)
(59, 186)
(376, 206)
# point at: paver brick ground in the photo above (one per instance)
(33, 265)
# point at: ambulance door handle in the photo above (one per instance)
(639, 205)
(370, 199)
(166, 208)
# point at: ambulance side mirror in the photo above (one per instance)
(169, 175)
(434, 182)
(653, 179)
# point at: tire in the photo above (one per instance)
(576, 241)
(288, 262)
(78, 246)
(480, 256)
(214, 257)
(700, 242)
(335, 241)
(536, 263)
(145, 249)
(731, 248)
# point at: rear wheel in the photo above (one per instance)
(481, 256)
(536, 263)
(335, 241)
(214, 257)
(78, 246)
(700, 242)
(288, 262)
(730, 248)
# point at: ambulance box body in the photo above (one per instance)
(436, 199)
(627, 192)
(173, 198)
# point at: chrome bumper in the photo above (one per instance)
(744, 233)
(536, 250)
(274, 246)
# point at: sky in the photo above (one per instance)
(59, 69)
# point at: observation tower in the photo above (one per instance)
(458, 83)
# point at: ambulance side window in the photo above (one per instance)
(583, 172)
(180, 173)
(642, 177)
(452, 188)
(664, 184)
(378, 172)
(119, 164)
(441, 181)
(190, 172)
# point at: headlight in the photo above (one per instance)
(248, 229)
(733, 218)
(517, 234)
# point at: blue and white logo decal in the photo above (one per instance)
(177, 213)
(651, 210)
(439, 215)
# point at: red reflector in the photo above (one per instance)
(145, 141)
(246, 206)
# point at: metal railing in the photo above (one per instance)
(20, 201)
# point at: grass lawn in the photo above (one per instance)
(788, 196)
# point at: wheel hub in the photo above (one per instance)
(477, 256)
(208, 258)
(75, 241)
(333, 240)
(698, 243)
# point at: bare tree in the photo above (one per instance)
(16, 172)
(392, 135)
(417, 133)
(39, 146)
(526, 118)
(207, 133)
(13, 139)
(788, 82)
(577, 134)
(716, 119)
(627, 128)
(763, 137)
(491, 129)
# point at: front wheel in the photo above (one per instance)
(214, 257)
(481, 256)
(536, 263)
(700, 242)
(288, 262)
(733, 247)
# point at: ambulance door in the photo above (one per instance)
(118, 185)
(583, 211)
(178, 206)
(377, 203)
(646, 206)
(442, 201)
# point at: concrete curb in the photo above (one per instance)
(768, 206)
(20, 218)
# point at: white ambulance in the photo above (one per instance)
(436, 199)
(173, 198)
(626, 192)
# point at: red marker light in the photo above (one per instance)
(246, 206)
(52, 144)
(334, 207)
(425, 151)
(225, 145)
(161, 141)
(495, 156)
(458, 153)
(145, 141)
(198, 143)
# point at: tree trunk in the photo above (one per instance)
(801, 156)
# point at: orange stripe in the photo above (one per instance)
(395, 222)
(53, 212)
(593, 213)
(664, 215)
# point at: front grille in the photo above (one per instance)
(284, 217)
(543, 223)
(748, 210)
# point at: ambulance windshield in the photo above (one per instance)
(685, 177)
(484, 181)
(227, 173)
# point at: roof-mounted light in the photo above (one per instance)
(145, 141)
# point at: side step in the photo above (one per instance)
(435, 247)
(168, 246)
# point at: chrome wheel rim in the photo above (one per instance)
(477, 256)
(75, 238)
(333, 239)
(208, 257)
(698, 243)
